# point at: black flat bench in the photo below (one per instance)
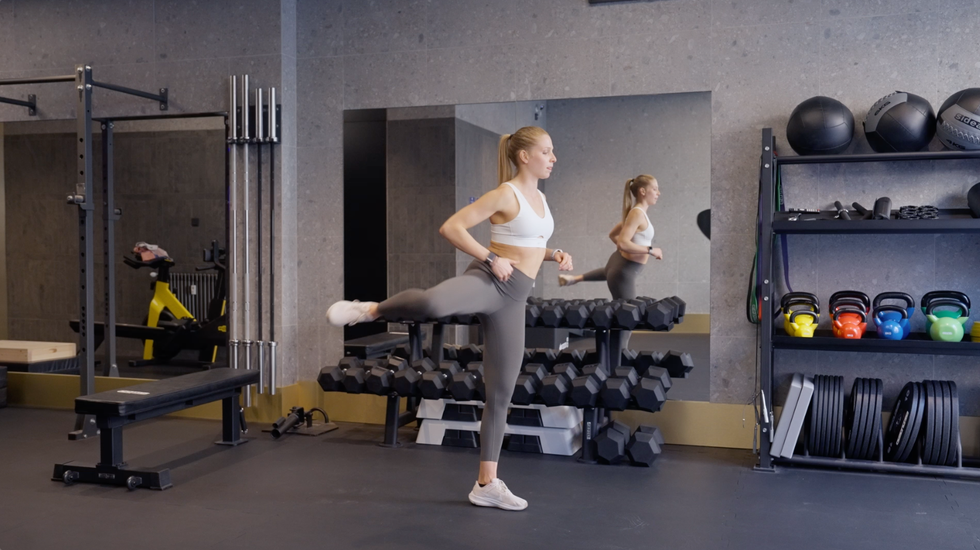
(116, 408)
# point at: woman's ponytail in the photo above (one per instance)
(505, 171)
(627, 198)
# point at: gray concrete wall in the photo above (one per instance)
(601, 143)
(759, 59)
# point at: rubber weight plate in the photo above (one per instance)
(828, 415)
(916, 423)
(946, 409)
(928, 431)
(811, 434)
(825, 415)
(873, 433)
(818, 411)
(839, 417)
(822, 417)
(859, 437)
(855, 420)
(952, 458)
(901, 422)
(861, 449)
(818, 407)
(939, 423)
(831, 417)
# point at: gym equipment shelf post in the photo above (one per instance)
(771, 339)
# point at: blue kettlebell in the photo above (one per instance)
(949, 327)
(956, 295)
(889, 320)
(891, 314)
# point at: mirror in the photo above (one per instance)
(170, 187)
(439, 159)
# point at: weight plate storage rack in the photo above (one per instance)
(922, 436)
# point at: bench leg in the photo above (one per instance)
(231, 422)
(111, 447)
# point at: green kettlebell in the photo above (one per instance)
(930, 297)
(943, 328)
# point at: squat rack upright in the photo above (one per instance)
(83, 198)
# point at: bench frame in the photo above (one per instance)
(111, 469)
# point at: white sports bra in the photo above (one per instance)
(527, 229)
(645, 237)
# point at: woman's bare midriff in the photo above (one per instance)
(528, 259)
(638, 258)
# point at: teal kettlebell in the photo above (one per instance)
(949, 327)
(955, 295)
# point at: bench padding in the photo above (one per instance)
(163, 393)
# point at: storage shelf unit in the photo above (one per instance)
(951, 221)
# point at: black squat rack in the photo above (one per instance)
(771, 223)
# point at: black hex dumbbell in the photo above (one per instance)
(469, 353)
(331, 377)
(586, 388)
(435, 384)
(604, 315)
(661, 374)
(544, 356)
(551, 315)
(616, 390)
(677, 364)
(469, 385)
(630, 314)
(628, 358)
(450, 352)
(649, 394)
(532, 315)
(574, 356)
(660, 316)
(355, 378)
(528, 384)
(680, 310)
(645, 446)
(646, 359)
(406, 382)
(556, 387)
(611, 443)
(381, 377)
(577, 315)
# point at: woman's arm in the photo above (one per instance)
(614, 234)
(455, 229)
(563, 258)
(625, 239)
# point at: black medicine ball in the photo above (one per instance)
(820, 126)
(958, 123)
(900, 122)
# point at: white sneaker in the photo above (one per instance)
(496, 494)
(566, 280)
(346, 312)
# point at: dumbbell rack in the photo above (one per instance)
(593, 417)
(954, 221)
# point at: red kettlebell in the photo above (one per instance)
(850, 322)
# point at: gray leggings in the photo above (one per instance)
(500, 308)
(620, 275)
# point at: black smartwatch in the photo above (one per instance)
(491, 257)
(650, 250)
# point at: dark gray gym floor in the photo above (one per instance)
(341, 490)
